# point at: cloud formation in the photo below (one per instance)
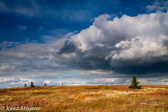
(129, 45)
(158, 6)
(125, 45)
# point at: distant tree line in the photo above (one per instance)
(134, 84)
(32, 85)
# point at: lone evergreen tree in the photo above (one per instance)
(135, 83)
(32, 85)
(45, 84)
(25, 85)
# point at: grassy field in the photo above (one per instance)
(100, 98)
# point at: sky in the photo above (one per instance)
(83, 42)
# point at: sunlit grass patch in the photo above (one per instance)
(107, 87)
(80, 97)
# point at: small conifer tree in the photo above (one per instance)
(135, 83)
(45, 84)
(32, 85)
(25, 85)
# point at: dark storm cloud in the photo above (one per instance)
(81, 60)
(68, 47)
(139, 47)
(156, 65)
(95, 59)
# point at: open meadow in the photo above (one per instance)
(99, 98)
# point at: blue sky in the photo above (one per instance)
(83, 42)
(33, 19)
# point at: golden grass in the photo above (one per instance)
(100, 98)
